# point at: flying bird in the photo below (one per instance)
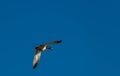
(40, 49)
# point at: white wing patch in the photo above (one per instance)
(36, 58)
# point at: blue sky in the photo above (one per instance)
(90, 31)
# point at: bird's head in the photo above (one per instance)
(50, 48)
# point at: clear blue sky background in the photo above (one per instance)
(90, 30)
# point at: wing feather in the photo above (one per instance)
(36, 59)
(54, 42)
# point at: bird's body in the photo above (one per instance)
(40, 49)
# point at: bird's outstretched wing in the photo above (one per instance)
(54, 42)
(36, 59)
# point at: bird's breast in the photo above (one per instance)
(44, 48)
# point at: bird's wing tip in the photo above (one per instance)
(59, 41)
